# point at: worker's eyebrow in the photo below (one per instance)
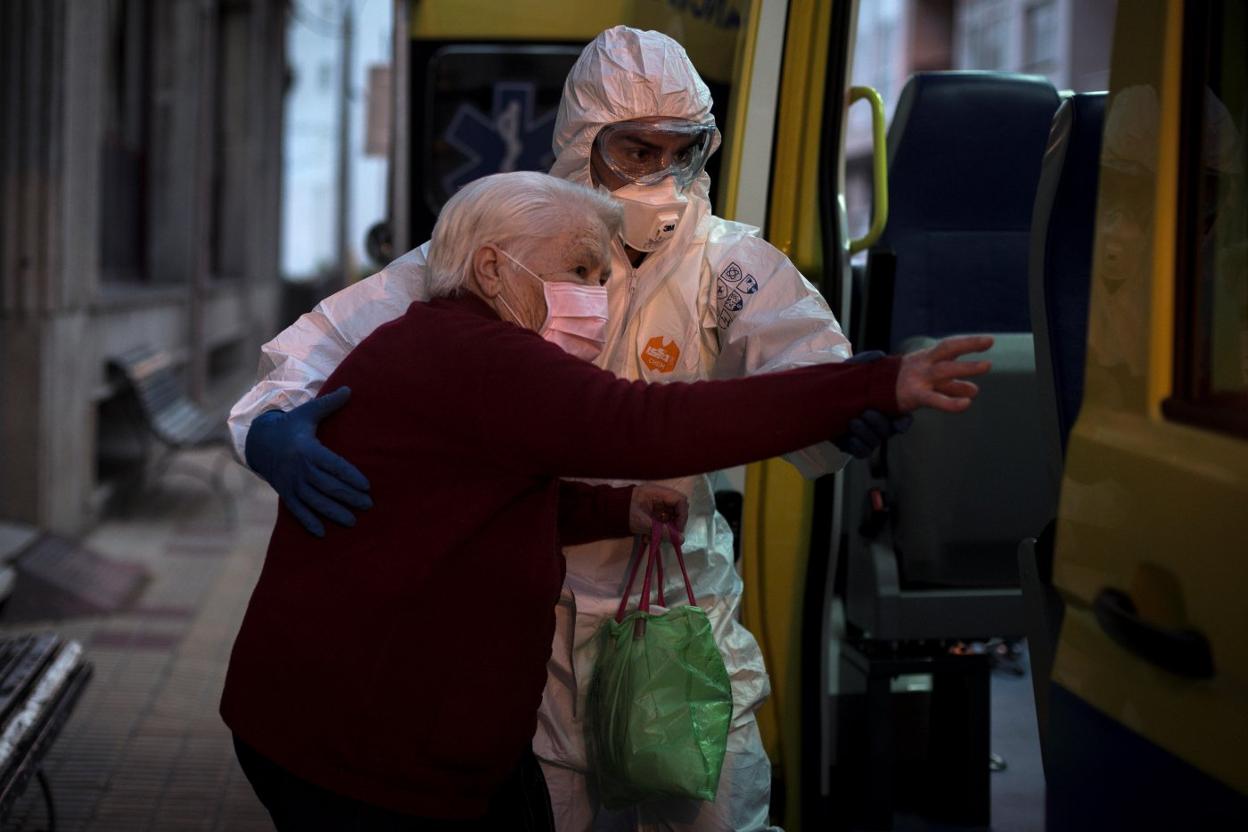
(669, 141)
(640, 142)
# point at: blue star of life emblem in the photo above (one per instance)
(510, 138)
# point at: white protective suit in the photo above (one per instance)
(715, 301)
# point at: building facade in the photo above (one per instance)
(311, 188)
(1067, 41)
(140, 179)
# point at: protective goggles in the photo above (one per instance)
(647, 152)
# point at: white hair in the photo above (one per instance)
(508, 207)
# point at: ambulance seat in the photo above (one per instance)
(964, 153)
(935, 520)
(1063, 229)
(1061, 260)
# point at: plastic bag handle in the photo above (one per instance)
(656, 535)
(658, 568)
(674, 537)
(651, 557)
(656, 551)
(632, 576)
(654, 567)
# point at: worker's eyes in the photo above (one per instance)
(581, 271)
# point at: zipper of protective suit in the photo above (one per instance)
(634, 319)
(632, 276)
(629, 335)
(632, 284)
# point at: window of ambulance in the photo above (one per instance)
(1211, 367)
(1066, 41)
(485, 106)
(477, 109)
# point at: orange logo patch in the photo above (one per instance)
(660, 356)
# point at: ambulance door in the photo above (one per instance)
(1149, 706)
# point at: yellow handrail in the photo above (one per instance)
(879, 168)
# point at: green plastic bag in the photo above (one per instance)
(660, 702)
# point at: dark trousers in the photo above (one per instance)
(521, 805)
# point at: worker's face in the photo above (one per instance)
(579, 255)
(648, 149)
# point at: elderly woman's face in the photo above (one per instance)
(580, 256)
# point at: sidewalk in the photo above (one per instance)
(145, 749)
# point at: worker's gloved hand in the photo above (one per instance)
(869, 431)
(311, 479)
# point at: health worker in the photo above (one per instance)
(693, 296)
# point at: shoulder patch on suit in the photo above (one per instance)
(732, 289)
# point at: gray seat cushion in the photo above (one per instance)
(964, 486)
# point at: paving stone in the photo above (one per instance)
(145, 750)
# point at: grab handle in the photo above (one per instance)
(879, 168)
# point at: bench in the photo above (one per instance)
(169, 414)
(41, 678)
(14, 537)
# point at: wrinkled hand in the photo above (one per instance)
(935, 378)
(655, 502)
(310, 479)
(870, 430)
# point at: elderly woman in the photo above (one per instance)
(389, 677)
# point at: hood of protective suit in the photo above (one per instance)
(624, 74)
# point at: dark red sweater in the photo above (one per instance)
(402, 662)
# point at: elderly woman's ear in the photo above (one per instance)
(485, 268)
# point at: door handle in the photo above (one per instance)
(1184, 653)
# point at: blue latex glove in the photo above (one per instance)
(311, 479)
(869, 430)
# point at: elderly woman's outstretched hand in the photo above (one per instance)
(935, 378)
(654, 502)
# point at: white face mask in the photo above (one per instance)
(651, 213)
(576, 315)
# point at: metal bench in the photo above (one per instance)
(170, 415)
(41, 678)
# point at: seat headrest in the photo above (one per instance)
(964, 150)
